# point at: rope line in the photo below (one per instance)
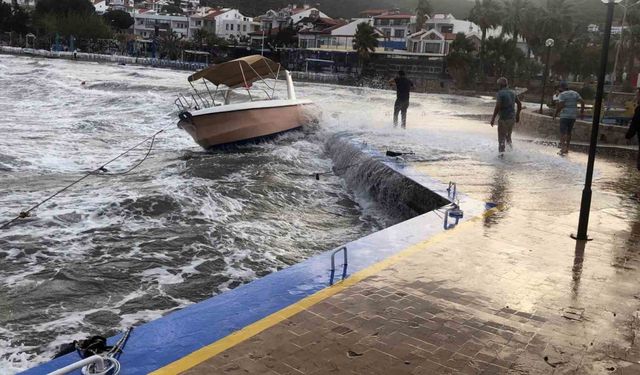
(25, 214)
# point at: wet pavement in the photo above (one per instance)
(509, 293)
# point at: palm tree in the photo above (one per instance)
(514, 14)
(633, 21)
(170, 44)
(486, 14)
(423, 11)
(529, 28)
(556, 20)
(460, 59)
(365, 41)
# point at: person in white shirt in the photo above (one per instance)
(567, 108)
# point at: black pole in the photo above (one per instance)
(545, 77)
(585, 206)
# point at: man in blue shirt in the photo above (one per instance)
(567, 107)
(505, 110)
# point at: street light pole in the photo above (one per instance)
(549, 43)
(585, 206)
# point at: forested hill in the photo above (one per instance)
(589, 11)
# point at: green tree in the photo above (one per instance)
(82, 26)
(502, 57)
(286, 37)
(514, 13)
(5, 17)
(170, 43)
(118, 19)
(460, 61)
(633, 39)
(423, 11)
(200, 38)
(365, 41)
(172, 9)
(63, 7)
(486, 14)
(529, 28)
(20, 20)
(556, 20)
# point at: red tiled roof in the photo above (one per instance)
(374, 11)
(212, 15)
(328, 30)
(298, 10)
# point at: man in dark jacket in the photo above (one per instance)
(634, 129)
(403, 88)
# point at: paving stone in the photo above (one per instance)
(492, 305)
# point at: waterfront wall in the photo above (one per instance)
(542, 126)
(368, 173)
(116, 59)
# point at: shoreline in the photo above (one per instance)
(327, 78)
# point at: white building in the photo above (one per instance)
(100, 6)
(291, 15)
(341, 38)
(145, 24)
(124, 5)
(441, 30)
(230, 23)
(448, 24)
(395, 27)
(430, 42)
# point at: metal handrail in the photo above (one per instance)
(333, 257)
(455, 213)
(452, 190)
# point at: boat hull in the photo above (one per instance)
(224, 127)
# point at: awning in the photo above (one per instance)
(239, 72)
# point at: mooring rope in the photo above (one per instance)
(152, 138)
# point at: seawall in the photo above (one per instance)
(256, 305)
(96, 57)
(545, 127)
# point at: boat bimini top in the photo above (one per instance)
(238, 73)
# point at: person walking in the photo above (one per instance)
(508, 116)
(634, 130)
(403, 88)
(567, 107)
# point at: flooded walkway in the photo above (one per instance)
(509, 293)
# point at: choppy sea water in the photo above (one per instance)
(121, 250)
(115, 251)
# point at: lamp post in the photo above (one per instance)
(549, 43)
(585, 206)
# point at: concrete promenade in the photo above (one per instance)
(509, 293)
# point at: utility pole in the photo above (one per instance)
(585, 206)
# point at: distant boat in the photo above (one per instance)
(212, 120)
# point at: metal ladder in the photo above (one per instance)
(333, 264)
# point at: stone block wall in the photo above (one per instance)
(541, 126)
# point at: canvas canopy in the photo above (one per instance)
(239, 72)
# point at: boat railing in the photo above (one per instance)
(206, 99)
